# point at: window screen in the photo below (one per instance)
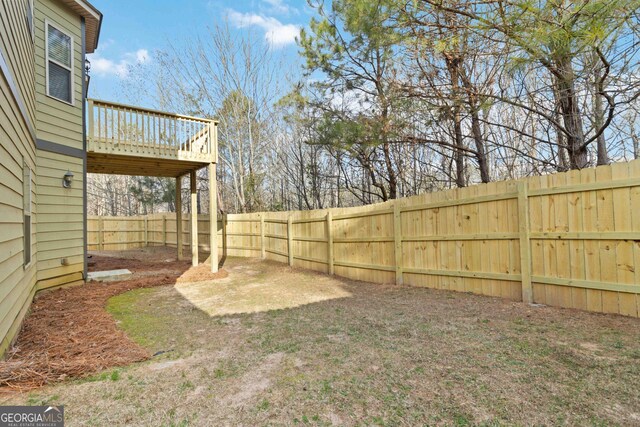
(59, 82)
(59, 61)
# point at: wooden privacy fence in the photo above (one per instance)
(114, 233)
(569, 239)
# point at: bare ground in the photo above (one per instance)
(365, 355)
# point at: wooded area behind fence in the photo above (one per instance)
(569, 239)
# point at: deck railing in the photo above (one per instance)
(121, 129)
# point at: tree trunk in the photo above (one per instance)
(393, 182)
(338, 160)
(571, 116)
(603, 157)
(476, 130)
(459, 154)
(453, 65)
(371, 179)
(481, 154)
(563, 163)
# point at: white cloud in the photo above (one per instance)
(120, 68)
(277, 34)
(278, 6)
(104, 66)
(351, 100)
(142, 56)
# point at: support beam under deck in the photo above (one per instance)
(179, 217)
(213, 218)
(194, 220)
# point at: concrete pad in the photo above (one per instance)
(109, 275)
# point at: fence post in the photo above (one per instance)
(262, 248)
(525, 244)
(164, 230)
(100, 234)
(330, 242)
(146, 231)
(397, 238)
(225, 244)
(290, 240)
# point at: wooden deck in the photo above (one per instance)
(127, 140)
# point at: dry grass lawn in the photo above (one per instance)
(270, 345)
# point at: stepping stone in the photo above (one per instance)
(109, 275)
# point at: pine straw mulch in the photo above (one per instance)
(69, 334)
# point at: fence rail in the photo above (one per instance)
(570, 239)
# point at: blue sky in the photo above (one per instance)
(132, 30)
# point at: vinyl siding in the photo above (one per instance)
(24, 109)
(60, 235)
(17, 282)
(58, 121)
(19, 50)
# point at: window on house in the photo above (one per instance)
(30, 18)
(26, 197)
(59, 64)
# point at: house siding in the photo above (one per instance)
(58, 121)
(17, 147)
(60, 227)
(18, 50)
(27, 117)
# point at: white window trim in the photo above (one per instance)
(48, 23)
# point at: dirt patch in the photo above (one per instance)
(68, 332)
(249, 290)
(138, 260)
(201, 273)
(256, 382)
(154, 261)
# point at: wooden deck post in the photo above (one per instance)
(179, 217)
(525, 243)
(213, 218)
(330, 242)
(290, 239)
(194, 219)
(397, 237)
